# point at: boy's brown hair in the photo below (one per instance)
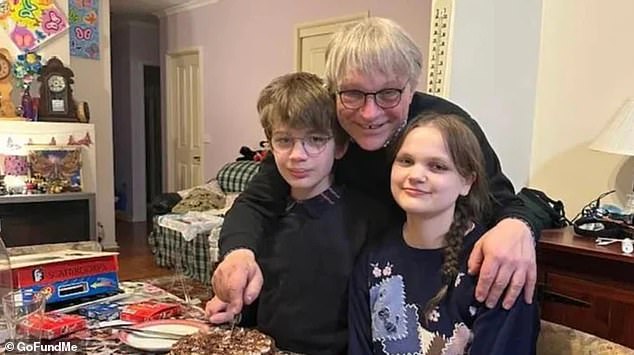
(300, 101)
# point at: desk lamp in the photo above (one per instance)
(618, 138)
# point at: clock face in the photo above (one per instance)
(56, 83)
(5, 67)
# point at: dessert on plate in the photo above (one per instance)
(219, 341)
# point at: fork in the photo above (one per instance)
(149, 333)
(236, 319)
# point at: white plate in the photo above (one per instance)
(151, 343)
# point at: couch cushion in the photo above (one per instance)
(234, 176)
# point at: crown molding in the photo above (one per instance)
(189, 5)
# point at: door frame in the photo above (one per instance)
(170, 129)
(316, 28)
(161, 171)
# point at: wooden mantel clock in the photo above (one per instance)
(56, 93)
(7, 109)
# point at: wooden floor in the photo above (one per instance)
(135, 257)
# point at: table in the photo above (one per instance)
(586, 287)
(106, 341)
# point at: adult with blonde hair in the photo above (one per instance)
(372, 70)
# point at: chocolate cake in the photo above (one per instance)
(219, 341)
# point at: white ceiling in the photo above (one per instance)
(142, 6)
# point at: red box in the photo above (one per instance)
(145, 311)
(52, 325)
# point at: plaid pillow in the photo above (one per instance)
(235, 176)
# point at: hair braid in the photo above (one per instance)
(450, 266)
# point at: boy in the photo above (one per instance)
(308, 253)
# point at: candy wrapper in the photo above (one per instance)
(52, 325)
(102, 312)
(145, 311)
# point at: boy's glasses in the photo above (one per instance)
(313, 144)
(385, 99)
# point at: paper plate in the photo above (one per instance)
(151, 342)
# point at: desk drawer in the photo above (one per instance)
(605, 311)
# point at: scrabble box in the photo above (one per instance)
(66, 275)
(52, 325)
(149, 310)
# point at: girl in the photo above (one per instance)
(412, 294)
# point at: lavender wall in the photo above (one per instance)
(246, 43)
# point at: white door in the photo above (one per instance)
(312, 39)
(184, 121)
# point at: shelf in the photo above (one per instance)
(64, 196)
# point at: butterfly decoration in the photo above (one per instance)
(93, 51)
(53, 22)
(83, 3)
(12, 146)
(23, 38)
(85, 141)
(31, 23)
(84, 34)
(84, 28)
(56, 164)
(91, 18)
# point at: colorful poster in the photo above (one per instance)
(31, 23)
(83, 16)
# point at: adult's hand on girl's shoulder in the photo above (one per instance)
(237, 280)
(504, 258)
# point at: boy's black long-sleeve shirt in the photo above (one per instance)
(368, 171)
(306, 260)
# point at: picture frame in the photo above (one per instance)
(59, 165)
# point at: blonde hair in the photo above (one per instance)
(369, 46)
(299, 101)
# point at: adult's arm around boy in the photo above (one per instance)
(263, 199)
(238, 279)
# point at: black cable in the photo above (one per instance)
(589, 208)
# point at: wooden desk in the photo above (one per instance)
(587, 287)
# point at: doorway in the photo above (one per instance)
(184, 120)
(153, 134)
(311, 40)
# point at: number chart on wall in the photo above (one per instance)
(438, 67)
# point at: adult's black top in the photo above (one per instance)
(263, 201)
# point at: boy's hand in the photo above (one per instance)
(217, 311)
(237, 280)
(504, 254)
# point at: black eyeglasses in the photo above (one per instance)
(385, 98)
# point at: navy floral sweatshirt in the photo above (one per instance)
(390, 286)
